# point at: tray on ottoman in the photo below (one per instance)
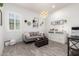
(41, 41)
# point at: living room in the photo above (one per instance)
(35, 29)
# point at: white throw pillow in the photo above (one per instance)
(12, 42)
(27, 34)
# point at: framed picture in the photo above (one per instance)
(0, 17)
(29, 23)
(35, 22)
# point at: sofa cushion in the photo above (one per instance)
(27, 34)
(31, 33)
(34, 33)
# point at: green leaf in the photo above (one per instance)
(1, 4)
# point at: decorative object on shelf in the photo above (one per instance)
(29, 23)
(53, 23)
(56, 30)
(51, 30)
(35, 22)
(0, 17)
(58, 22)
(25, 21)
(62, 22)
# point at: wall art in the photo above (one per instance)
(29, 23)
(41, 23)
(35, 22)
(25, 21)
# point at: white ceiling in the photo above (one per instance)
(38, 7)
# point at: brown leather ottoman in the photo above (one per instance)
(39, 42)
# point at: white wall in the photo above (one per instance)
(25, 15)
(1, 38)
(71, 13)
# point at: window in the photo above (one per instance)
(17, 23)
(14, 22)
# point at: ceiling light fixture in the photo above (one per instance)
(44, 14)
(53, 6)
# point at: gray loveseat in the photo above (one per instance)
(31, 36)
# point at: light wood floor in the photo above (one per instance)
(22, 49)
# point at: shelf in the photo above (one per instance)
(51, 32)
(57, 32)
